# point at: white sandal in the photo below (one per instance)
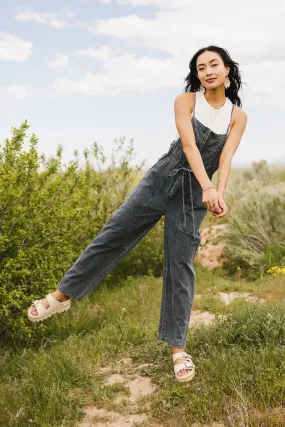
(55, 306)
(185, 365)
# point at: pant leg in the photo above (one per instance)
(181, 242)
(129, 224)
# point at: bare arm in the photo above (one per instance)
(183, 107)
(230, 147)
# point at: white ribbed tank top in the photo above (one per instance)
(217, 119)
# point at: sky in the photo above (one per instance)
(98, 70)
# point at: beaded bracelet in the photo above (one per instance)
(207, 188)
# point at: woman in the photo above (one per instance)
(178, 186)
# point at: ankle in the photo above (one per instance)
(177, 350)
(59, 296)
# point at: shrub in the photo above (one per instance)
(49, 213)
(255, 234)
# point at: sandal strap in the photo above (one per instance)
(39, 306)
(179, 366)
(53, 303)
(187, 364)
(181, 355)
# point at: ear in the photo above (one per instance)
(228, 70)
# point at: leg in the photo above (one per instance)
(181, 242)
(123, 231)
(120, 234)
(130, 223)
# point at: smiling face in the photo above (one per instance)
(211, 66)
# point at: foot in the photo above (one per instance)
(57, 295)
(177, 361)
(183, 371)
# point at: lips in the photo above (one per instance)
(210, 80)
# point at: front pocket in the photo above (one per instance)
(187, 225)
(191, 221)
(193, 225)
(145, 191)
(153, 180)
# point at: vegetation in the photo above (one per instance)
(49, 213)
(49, 372)
(240, 365)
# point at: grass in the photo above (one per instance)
(240, 374)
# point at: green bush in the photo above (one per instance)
(49, 213)
(255, 237)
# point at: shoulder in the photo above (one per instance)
(239, 116)
(185, 101)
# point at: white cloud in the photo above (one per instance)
(103, 53)
(122, 72)
(60, 61)
(178, 29)
(105, 1)
(41, 18)
(125, 71)
(135, 3)
(14, 90)
(67, 13)
(14, 49)
(180, 33)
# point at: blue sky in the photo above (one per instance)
(89, 70)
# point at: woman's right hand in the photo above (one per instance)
(209, 198)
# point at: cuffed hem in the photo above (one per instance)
(68, 294)
(172, 343)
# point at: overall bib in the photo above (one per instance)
(168, 188)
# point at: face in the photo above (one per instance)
(211, 66)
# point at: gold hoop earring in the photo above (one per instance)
(202, 89)
(227, 82)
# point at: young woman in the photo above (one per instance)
(178, 186)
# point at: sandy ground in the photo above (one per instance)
(211, 249)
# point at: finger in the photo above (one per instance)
(215, 212)
(208, 206)
(222, 214)
(221, 204)
(217, 207)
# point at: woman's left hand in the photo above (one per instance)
(222, 205)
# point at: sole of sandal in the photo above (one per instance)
(51, 313)
(186, 377)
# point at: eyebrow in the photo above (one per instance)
(215, 59)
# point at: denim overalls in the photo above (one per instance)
(168, 188)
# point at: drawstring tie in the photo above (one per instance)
(172, 173)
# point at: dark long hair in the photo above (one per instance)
(193, 83)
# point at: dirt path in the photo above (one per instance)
(138, 386)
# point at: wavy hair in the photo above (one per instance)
(193, 83)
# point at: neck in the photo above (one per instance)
(216, 96)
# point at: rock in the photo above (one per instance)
(139, 387)
(115, 378)
(228, 297)
(111, 418)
